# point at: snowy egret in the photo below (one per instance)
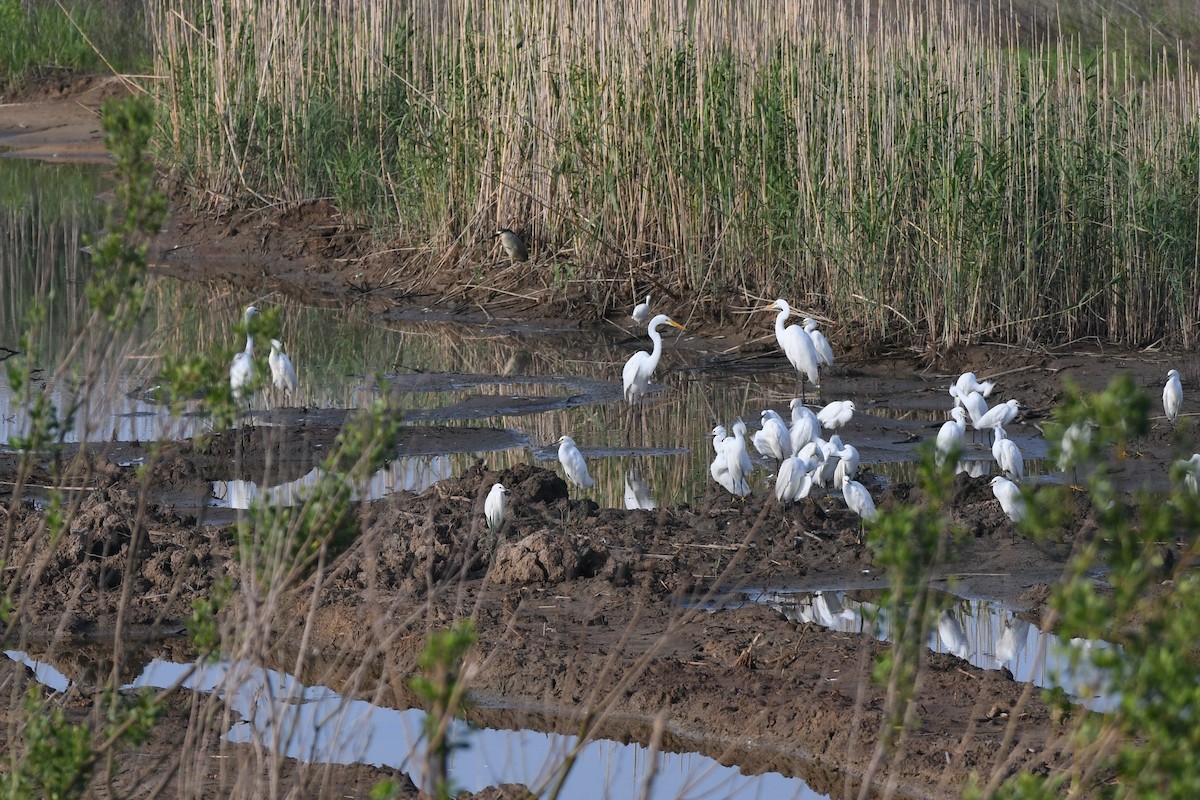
(858, 499)
(637, 493)
(1008, 456)
(1009, 496)
(967, 383)
(641, 365)
(513, 245)
(820, 343)
(998, 416)
(774, 439)
(1075, 441)
(1173, 396)
(573, 463)
(1191, 472)
(283, 374)
(973, 402)
(796, 345)
(847, 465)
(641, 312)
(493, 506)
(950, 436)
(737, 460)
(805, 426)
(794, 482)
(241, 371)
(829, 455)
(836, 414)
(718, 436)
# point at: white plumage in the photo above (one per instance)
(836, 414)
(1008, 456)
(241, 371)
(573, 464)
(283, 373)
(637, 493)
(774, 439)
(796, 344)
(805, 426)
(820, 343)
(998, 417)
(858, 499)
(793, 481)
(493, 506)
(967, 383)
(641, 312)
(847, 465)
(1009, 496)
(1191, 473)
(950, 436)
(641, 365)
(1173, 396)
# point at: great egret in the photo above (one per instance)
(573, 463)
(283, 374)
(796, 345)
(493, 506)
(1009, 496)
(1008, 456)
(793, 482)
(950, 436)
(641, 312)
(998, 416)
(820, 343)
(513, 245)
(641, 365)
(241, 371)
(637, 493)
(774, 439)
(1173, 396)
(858, 499)
(836, 414)
(805, 426)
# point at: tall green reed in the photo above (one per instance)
(909, 176)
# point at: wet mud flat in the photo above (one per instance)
(581, 611)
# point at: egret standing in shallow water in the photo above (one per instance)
(1172, 396)
(950, 436)
(641, 312)
(493, 507)
(836, 414)
(241, 371)
(283, 374)
(573, 463)
(1008, 456)
(641, 365)
(796, 345)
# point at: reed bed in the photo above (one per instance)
(918, 176)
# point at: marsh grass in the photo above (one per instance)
(934, 178)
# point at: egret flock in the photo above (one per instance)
(802, 457)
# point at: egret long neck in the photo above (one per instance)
(780, 319)
(250, 345)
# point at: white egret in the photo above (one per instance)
(1012, 641)
(493, 506)
(283, 374)
(641, 365)
(1173, 396)
(737, 460)
(830, 455)
(774, 439)
(967, 383)
(1191, 472)
(641, 312)
(1008, 456)
(847, 465)
(805, 426)
(836, 414)
(1009, 496)
(241, 371)
(998, 416)
(1075, 440)
(718, 436)
(573, 464)
(796, 345)
(950, 436)
(793, 482)
(973, 402)
(513, 245)
(858, 499)
(820, 343)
